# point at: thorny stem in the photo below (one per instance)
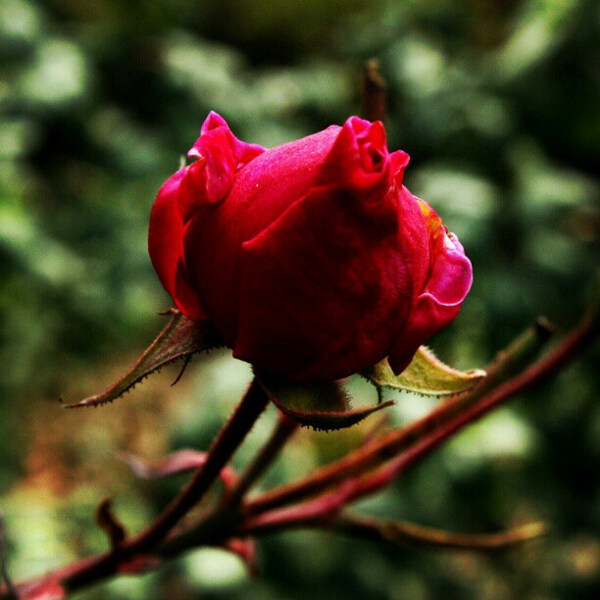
(328, 505)
(233, 433)
(285, 428)
(215, 527)
(262, 515)
(228, 440)
(379, 450)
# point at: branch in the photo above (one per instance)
(87, 571)
(285, 428)
(315, 514)
(230, 437)
(402, 533)
(373, 453)
(329, 504)
(397, 451)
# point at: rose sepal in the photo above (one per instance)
(179, 340)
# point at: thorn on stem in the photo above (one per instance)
(186, 362)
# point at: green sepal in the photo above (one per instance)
(322, 405)
(180, 339)
(426, 375)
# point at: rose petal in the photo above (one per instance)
(261, 192)
(323, 288)
(186, 297)
(398, 162)
(449, 281)
(358, 160)
(165, 245)
(206, 181)
(245, 151)
(219, 155)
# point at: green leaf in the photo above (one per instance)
(426, 374)
(180, 339)
(322, 405)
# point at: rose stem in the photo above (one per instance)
(328, 505)
(233, 433)
(321, 511)
(285, 428)
(89, 570)
(231, 436)
(384, 448)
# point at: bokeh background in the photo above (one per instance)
(497, 102)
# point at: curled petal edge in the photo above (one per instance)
(449, 282)
(219, 155)
(359, 159)
(208, 180)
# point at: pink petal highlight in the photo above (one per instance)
(449, 281)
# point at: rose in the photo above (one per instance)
(311, 259)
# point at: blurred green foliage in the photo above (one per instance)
(497, 101)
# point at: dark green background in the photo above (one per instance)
(498, 104)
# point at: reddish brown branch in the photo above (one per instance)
(221, 525)
(84, 572)
(229, 439)
(402, 533)
(317, 514)
(326, 506)
(379, 450)
(285, 428)
(266, 516)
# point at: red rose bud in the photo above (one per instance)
(311, 259)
